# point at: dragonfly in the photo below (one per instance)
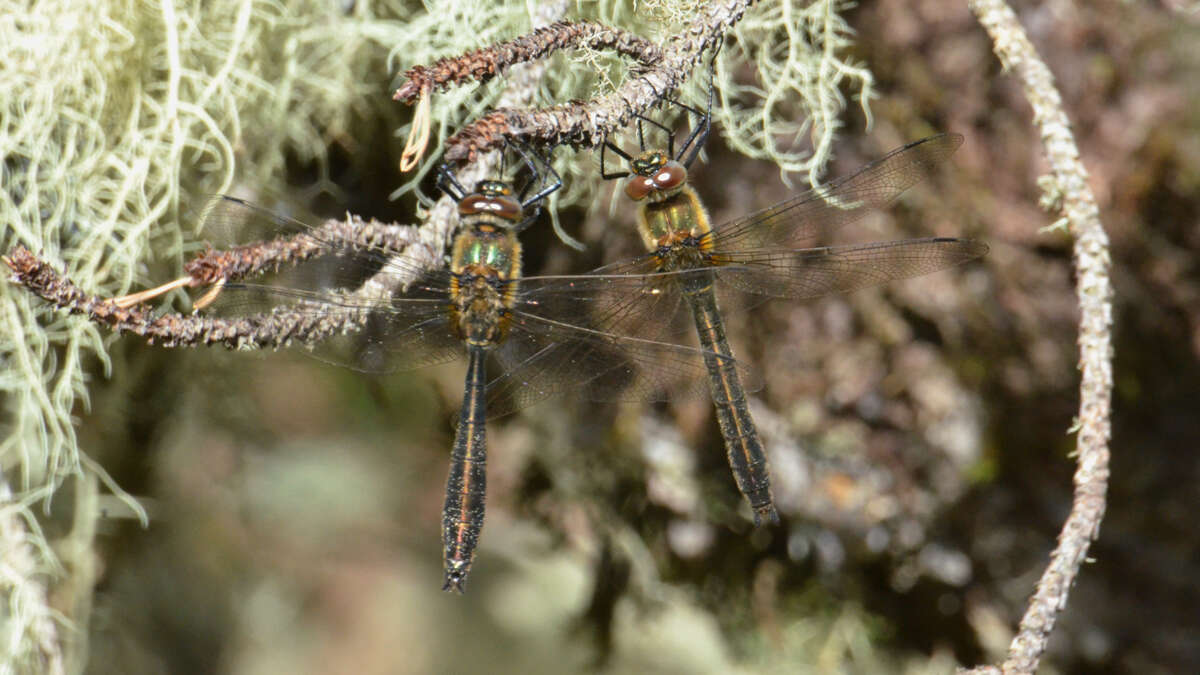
(548, 334)
(762, 254)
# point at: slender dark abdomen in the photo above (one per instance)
(466, 488)
(746, 456)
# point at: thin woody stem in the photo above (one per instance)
(248, 260)
(141, 296)
(239, 262)
(286, 326)
(586, 124)
(1094, 292)
(484, 64)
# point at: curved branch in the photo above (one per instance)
(585, 124)
(484, 64)
(1094, 291)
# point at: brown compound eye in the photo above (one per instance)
(500, 207)
(670, 176)
(639, 187)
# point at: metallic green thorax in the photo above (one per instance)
(676, 229)
(487, 247)
(485, 264)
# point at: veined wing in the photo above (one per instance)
(348, 291)
(604, 336)
(616, 299)
(352, 328)
(544, 356)
(814, 272)
(839, 202)
(348, 252)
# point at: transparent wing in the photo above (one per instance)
(814, 272)
(348, 291)
(349, 252)
(603, 337)
(642, 305)
(354, 330)
(543, 356)
(839, 202)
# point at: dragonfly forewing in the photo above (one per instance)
(816, 272)
(366, 333)
(840, 202)
(544, 356)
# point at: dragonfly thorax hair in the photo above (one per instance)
(485, 266)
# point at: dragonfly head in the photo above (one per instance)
(655, 177)
(494, 198)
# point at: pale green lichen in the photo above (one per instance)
(790, 113)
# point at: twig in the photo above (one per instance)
(280, 328)
(353, 234)
(1094, 292)
(585, 124)
(216, 267)
(484, 64)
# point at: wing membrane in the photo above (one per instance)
(345, 253)
(366, 333)
(543, 357)
(646, 306)
(839, 202)
(812, 273)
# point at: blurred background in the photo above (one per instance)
(919, 434)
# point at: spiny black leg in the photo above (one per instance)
(447, 182)
(534, 175)
(695, 141)
(666, 130)
(545, 191)
(546, 176)
(700, 132)
(604, 148)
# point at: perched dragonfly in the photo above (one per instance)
(761, 254)
(549, 334)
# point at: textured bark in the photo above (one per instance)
(1094, 294)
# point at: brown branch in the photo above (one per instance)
(484, 64)
(247, 260)
(585, 124)
(216, 267)
(279, 328)
(1094, 292)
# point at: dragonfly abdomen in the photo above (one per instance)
(466, 487)
(743, 447)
